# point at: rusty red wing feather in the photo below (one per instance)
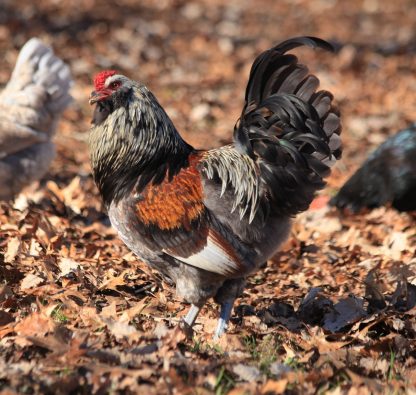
(173, 204)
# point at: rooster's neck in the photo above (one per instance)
(135, 145)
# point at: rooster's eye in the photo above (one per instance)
(115, 84)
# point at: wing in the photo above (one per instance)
(174, 220)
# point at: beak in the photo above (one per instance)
(97, 96)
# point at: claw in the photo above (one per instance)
(225, 314)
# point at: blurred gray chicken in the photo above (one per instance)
(30, 107)
(387, 176)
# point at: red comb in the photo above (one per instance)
(100, 78)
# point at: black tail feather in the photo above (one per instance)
(270, 65)
(289, 127)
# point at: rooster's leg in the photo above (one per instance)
(225, 313)
(192, 315)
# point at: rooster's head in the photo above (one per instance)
(109, 85)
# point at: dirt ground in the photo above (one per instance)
(333, 312)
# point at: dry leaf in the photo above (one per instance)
(109, 311)
(67, 265)
(274, 386)
(36, 323)
(120, 329)
(12, 250)
(30, 281)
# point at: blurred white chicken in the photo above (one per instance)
(30, 107)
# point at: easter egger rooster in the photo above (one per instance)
(208, 219)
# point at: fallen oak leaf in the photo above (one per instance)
(35, 248)
(37, 322)
(115, 281)
(90, 318)
(395, 244)
(117, 371)
(30, 281)
(275, 386)
(76, 348)
(12, 250)
(229, 342)
(56, 293)
(109, 311)
(52, 187)
(120, 330)
(307, 356)
(371, 321)
(371, 365)
(171, 339)
(290, 353)
(319, 340)
(144, 306)
(71, 196)
(67, 265)
(161, 330)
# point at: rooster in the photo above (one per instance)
(387, 176)
(30, 107)
(208, 219)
